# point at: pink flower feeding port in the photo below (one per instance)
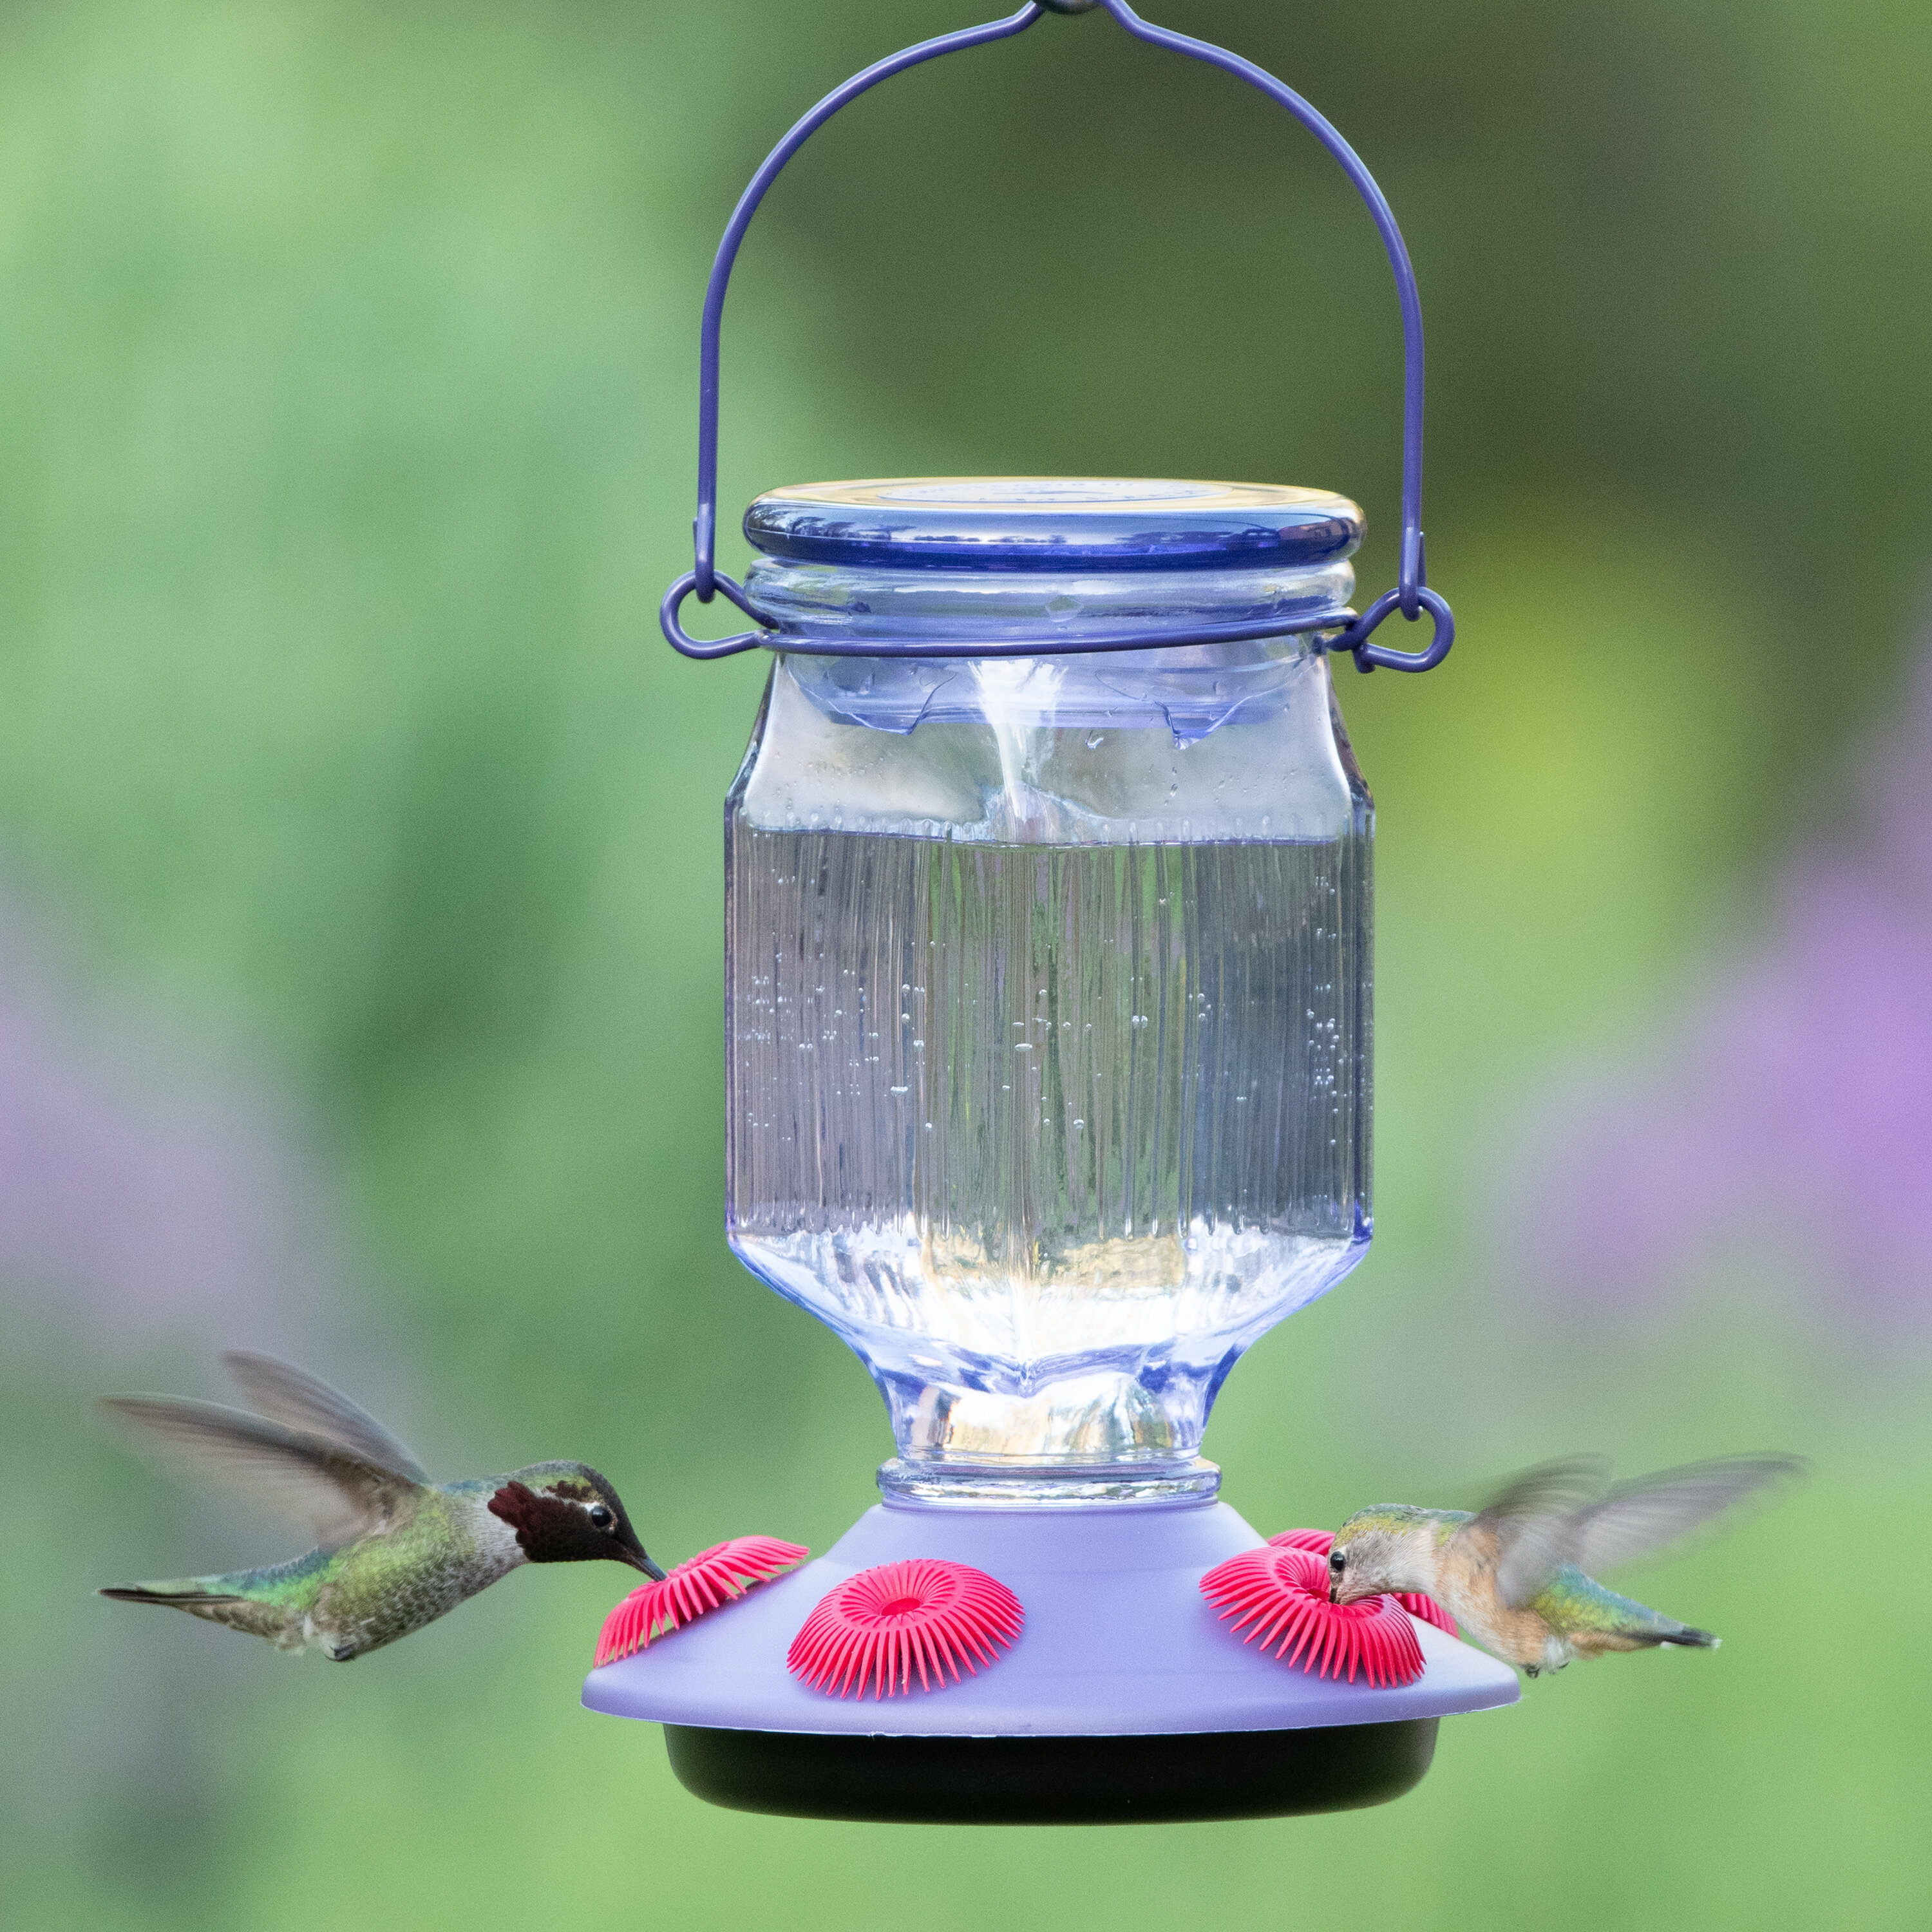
(1321, 1541)
(1278, 1596)
(702, 1583)
(877, 1629)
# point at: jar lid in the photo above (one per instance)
(1061, 523)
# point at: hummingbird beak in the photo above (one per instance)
(632, 1551)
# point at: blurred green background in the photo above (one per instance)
(360, 895)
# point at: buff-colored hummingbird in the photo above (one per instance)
(394, 1550)
(1514, 1575)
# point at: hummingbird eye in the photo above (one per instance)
(601, 1516)
(1337, 1562)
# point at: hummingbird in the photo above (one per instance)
(393, 1551)
(1514, 1574)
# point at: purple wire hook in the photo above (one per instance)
(1411, 596)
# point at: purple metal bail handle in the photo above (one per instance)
(1411, 596)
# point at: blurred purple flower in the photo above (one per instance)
(141, 1185)
(1789, 1109)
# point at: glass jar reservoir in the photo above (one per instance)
(1049, 982)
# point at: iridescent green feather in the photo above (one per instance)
(1572, 1602)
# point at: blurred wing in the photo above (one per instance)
(304, 1403)
(1644, 1514)
(338, 1495)
(1550, 1489)
(1531, 1521)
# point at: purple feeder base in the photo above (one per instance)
(1125, 1697)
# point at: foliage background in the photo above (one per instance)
(359, 876)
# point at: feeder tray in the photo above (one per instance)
(1124, 1697)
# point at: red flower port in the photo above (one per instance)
(1321, 1541)
(876, 1629)
(1280, 1596)
(713, 1577)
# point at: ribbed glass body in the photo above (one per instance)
(1049, 1033)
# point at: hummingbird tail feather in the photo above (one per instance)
(234, 1609)
(181, 1599)
(1696, 1640)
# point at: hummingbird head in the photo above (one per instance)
(567, 1513)
(1384, 1549)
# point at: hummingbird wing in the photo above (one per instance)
(307, 1405)
(1631, 1520)
(1550, 1489)
(1649, 1511)
(1526, 1522)
(339, 1494)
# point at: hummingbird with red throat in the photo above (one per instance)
(394, 1550)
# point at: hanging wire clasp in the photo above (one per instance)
(1412, 595)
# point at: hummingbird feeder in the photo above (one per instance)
(1048, 1033)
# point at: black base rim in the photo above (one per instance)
(1191, 1775)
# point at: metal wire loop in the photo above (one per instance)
(681, 640)
(1367, 656)
(1411, 593)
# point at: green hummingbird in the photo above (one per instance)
(394, 1550)
(1514, 1573)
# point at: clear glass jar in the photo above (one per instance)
(1048, 978)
